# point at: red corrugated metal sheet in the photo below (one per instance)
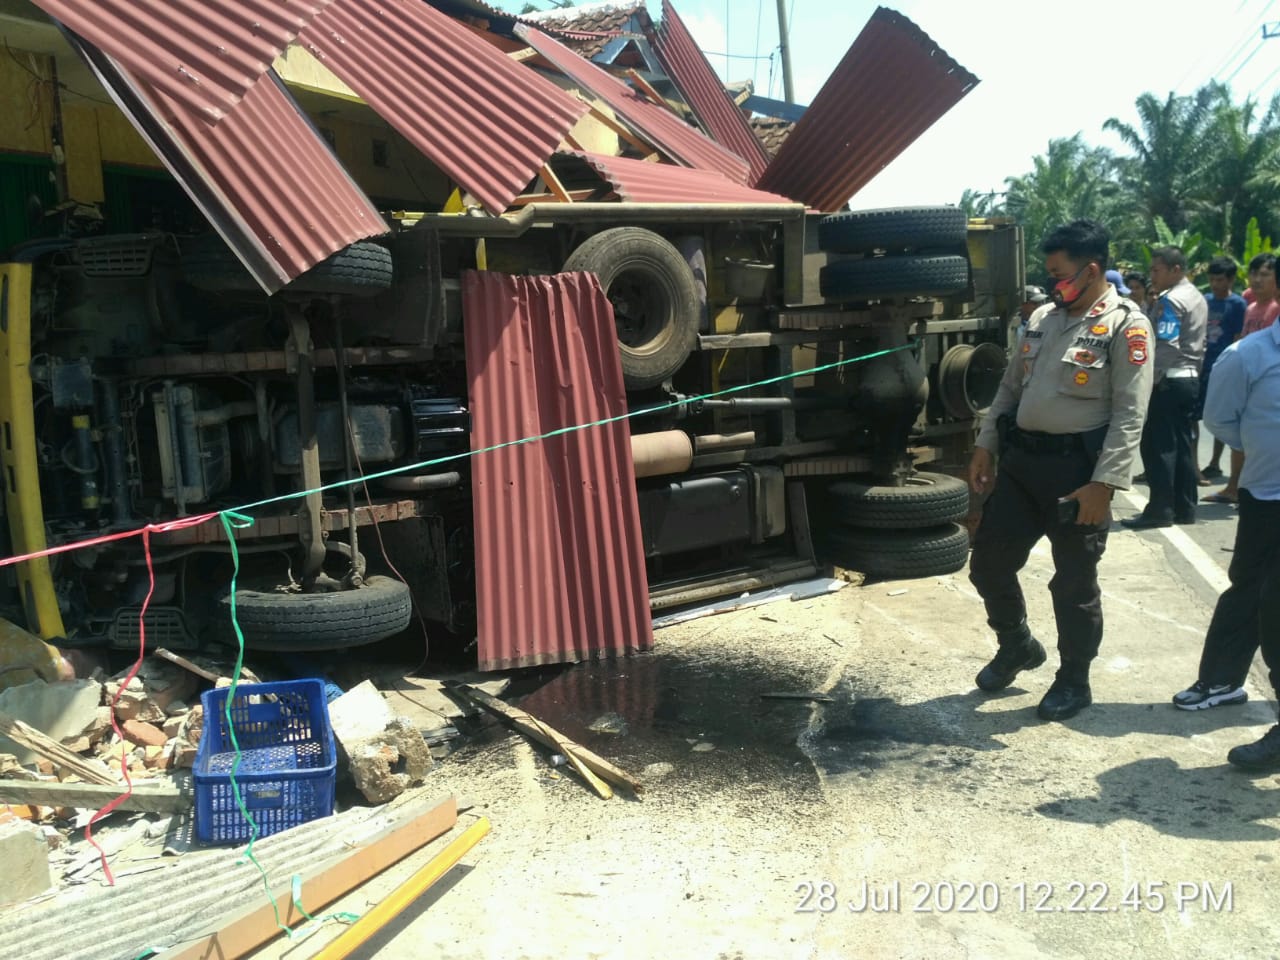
(667, 132)
(205, 54)
(262, 176)
(704, 92)
(892, 85)
(639, 181)
(485, 120)
(560, 572)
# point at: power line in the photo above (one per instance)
(1244, 63)
(1271, 75)
(1245, 43)
(755, 71)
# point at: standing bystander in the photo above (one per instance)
(1263, 298)
(1168, 458)
(1226, 321)
(1243, 408)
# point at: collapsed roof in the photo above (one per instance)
(489, 98)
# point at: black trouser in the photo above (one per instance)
(1168, 452)
(1247, 615)
(1022, 509)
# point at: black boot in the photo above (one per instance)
(1069, 693)
(1019, 651)
(1262, 754)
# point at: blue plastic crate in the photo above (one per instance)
(288, 766)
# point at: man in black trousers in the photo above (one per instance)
(1181, 318)
(1066, 423)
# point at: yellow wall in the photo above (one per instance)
(84, 153)
(27, 115)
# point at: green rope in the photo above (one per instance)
(232, 521)
(562, 431)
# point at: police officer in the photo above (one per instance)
(1181, 318)
(1066, 423)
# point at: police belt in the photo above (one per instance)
(1048, 444)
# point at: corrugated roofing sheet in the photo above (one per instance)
(203, 54)
(484, 119)
(560, 572)
(704, 92)
(667, 132)
(639, 181)
(892, 85)
(281, 217)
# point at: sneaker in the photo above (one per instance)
(1262, 754)
(1202, 696)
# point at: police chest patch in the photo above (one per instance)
(1099, 310)
(1099, 329)
(1026, 348)
(1082, 378)
(1134, 333)
(1085, 357)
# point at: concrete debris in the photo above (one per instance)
(62, 711)
(25, 855)
(388, 764)
(384, 754)
(132, 702)
(609, 723)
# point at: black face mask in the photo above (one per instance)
(1066, 292)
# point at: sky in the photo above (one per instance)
(1047, 70)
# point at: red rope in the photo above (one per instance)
(111, 538)
(107, 810)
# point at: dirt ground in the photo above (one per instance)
(976, 829)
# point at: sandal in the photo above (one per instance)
(1219, 497)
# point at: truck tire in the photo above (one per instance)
(359, 270)
(654, 297)
(893, 230)
(895, 554)
(872, 278)
(275, 620)
(925, 500)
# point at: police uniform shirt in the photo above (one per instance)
(1181, 319)
(1075, 374)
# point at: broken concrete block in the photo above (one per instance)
(144, 734)
(389, 763)
(173, 726)
(193, 729)
(359, 714)
(133, 702)
(61, 710)
(383, 753)
(25, 855)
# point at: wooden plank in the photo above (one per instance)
(528, 53)
(645, 87)
(533, 727)
(167, 796)
(396, 902)
(50, 749)
(554, 185)
(603, 118)
(186, 664)
(250, 929)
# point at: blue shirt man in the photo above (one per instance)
(1243, 408)
(1226, 320)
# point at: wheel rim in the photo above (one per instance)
(641, 311)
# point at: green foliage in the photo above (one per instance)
(1201, 172)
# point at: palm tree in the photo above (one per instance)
(1070, 181)
(1244, 145)
(1169, 161)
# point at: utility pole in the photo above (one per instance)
(784, 46)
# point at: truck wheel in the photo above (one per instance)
(874, 277)
(275, 620)
(925, 500)
(899, 554)
(893, 230)
(359, 270)
(654, 297)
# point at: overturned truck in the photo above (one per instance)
(791, 386)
